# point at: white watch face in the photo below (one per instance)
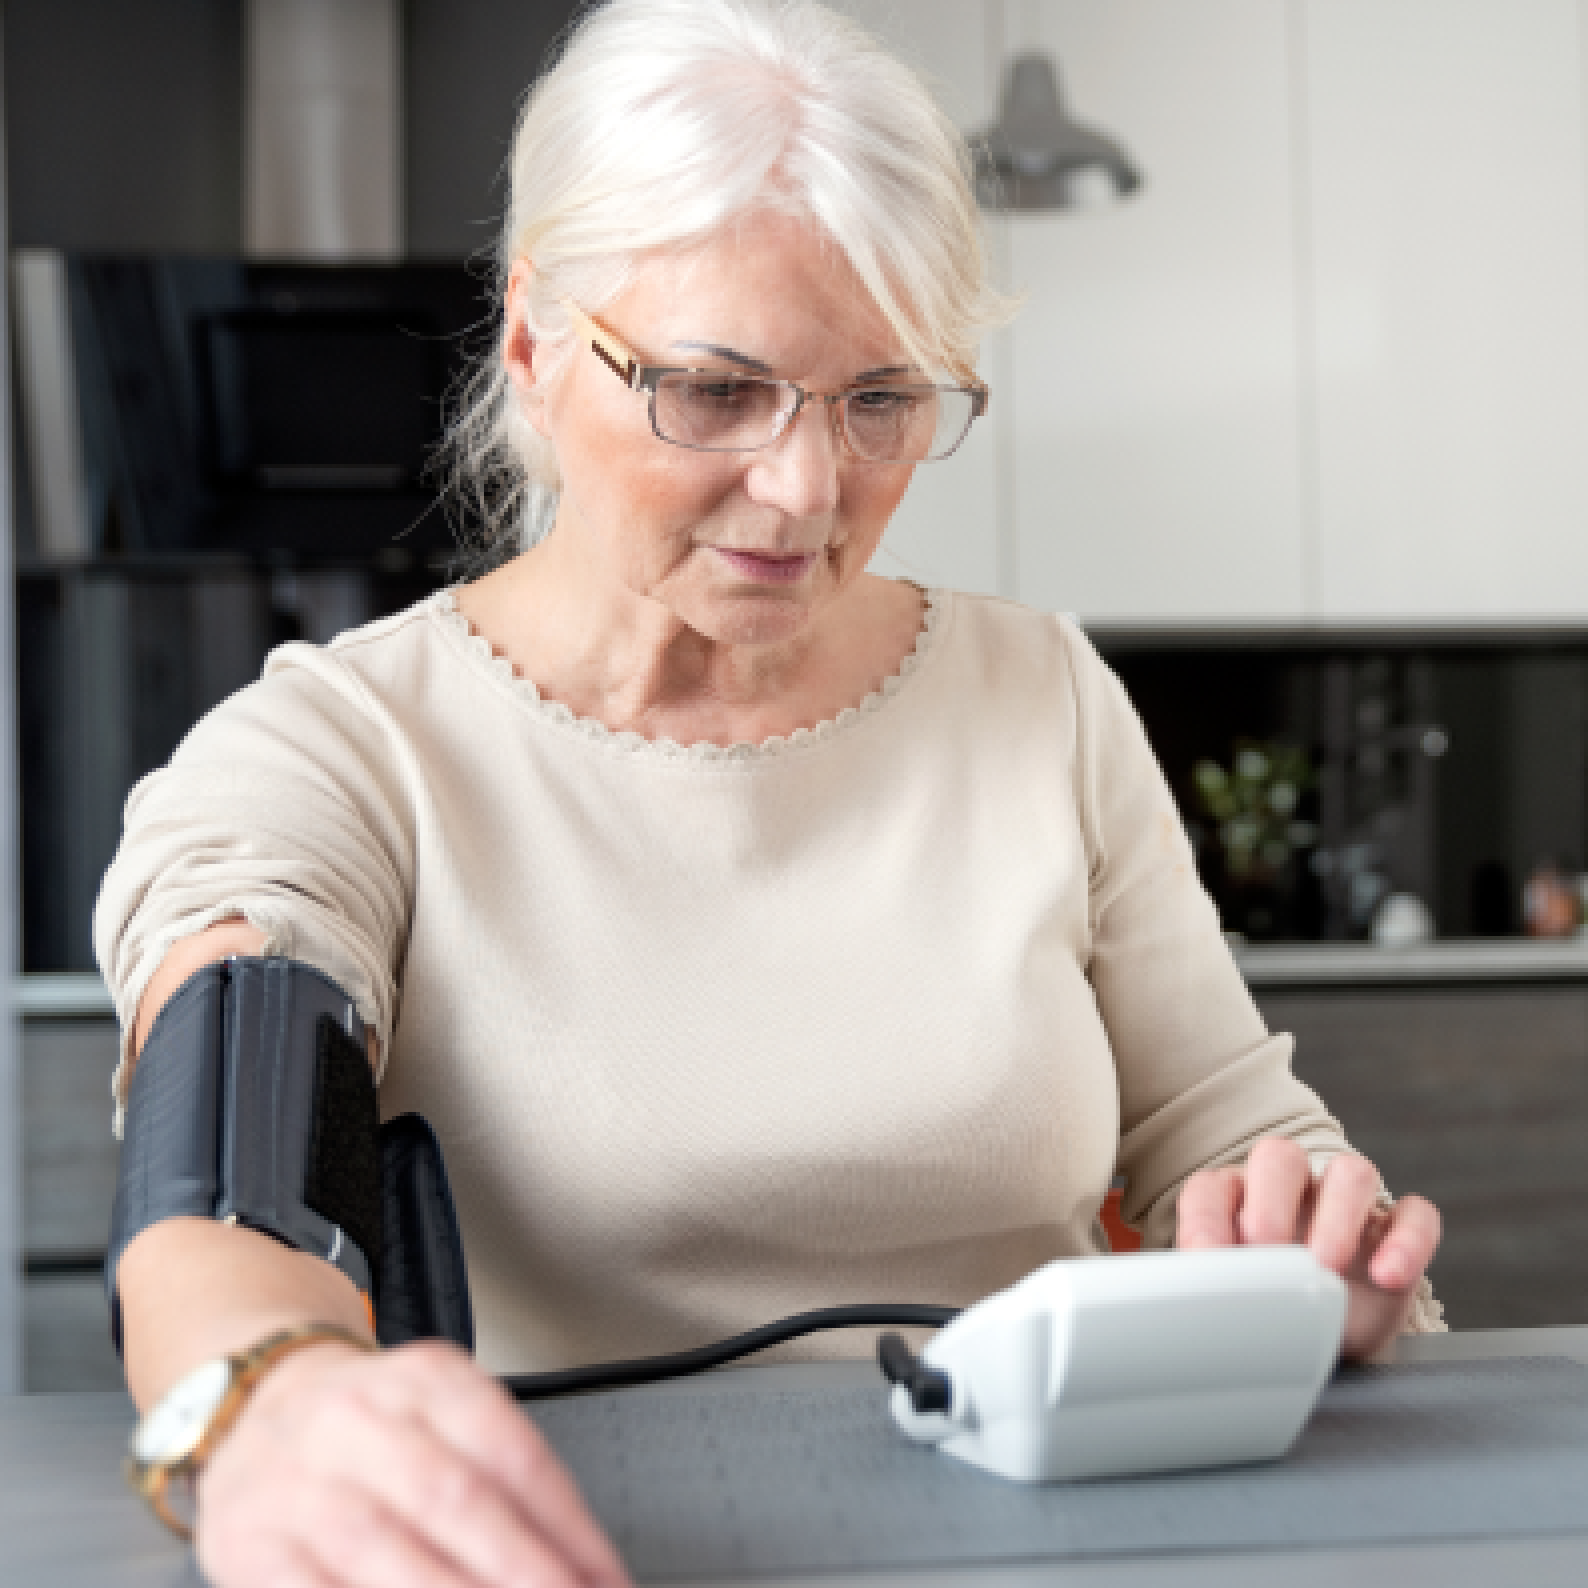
(176, 1425)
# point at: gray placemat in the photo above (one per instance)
(736, 1482)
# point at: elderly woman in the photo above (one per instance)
(757, 933)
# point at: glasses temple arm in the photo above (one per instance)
(608, 348)
(625, 373)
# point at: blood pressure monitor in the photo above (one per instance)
(1098, 1367)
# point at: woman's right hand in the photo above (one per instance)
(407, 1469)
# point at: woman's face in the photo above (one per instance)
(744, 548)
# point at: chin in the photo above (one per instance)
(762, 618)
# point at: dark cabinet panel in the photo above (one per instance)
(69, 1155)
(1477, 1098)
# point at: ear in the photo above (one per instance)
(518, 346)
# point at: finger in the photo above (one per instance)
(520, 1458)
(461, 1517)
(1346, 1197)
(362, 1544)
(1278, 1183)
(240, 1532)
(1408, 1244)
(277, 1564)
(1210, 1203)
(478, 1419)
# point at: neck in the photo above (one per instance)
(626, 660)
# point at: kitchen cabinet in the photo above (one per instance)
(1444, 152)
(69, 1159)
(69, 1155)
(1157, 391)
(1476, 1097)
(1330, 365)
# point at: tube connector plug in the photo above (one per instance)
(929, 1390)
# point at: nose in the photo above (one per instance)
(798, 473)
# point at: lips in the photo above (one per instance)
(764, 569)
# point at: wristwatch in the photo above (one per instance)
(181, 1431)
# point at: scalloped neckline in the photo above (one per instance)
(479, 650)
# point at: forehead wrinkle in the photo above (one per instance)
(744, 233)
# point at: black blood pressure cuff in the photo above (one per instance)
(252, 1102)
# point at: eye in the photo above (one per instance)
(883, 402)
(724, 393)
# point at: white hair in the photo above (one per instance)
(662, 122)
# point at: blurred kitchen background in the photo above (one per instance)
(1294, 421)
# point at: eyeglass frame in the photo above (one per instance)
(619, 357)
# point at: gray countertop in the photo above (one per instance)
(1500, 959)
(83, 996)
(66, 1521)
(62, 995)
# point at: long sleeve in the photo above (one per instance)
(282, 808)
(1200, 1076)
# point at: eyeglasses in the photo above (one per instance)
(721, 411)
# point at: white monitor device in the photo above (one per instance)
(1098, 1367)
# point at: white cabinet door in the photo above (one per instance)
(1157, 459)
(1446, 158)
(947, 529)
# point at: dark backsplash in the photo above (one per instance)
(255, 443)
(116, 663)
(233, 407)
(1452, 769)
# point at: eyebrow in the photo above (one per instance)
(747, 362)
(724, 352)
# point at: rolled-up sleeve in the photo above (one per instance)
(284, 807)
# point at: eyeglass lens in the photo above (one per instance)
(897, 424)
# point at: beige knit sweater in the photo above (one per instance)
(711, 1036)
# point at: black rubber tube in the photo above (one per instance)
(653, 1369)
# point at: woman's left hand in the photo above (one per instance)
(1275, 1200)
